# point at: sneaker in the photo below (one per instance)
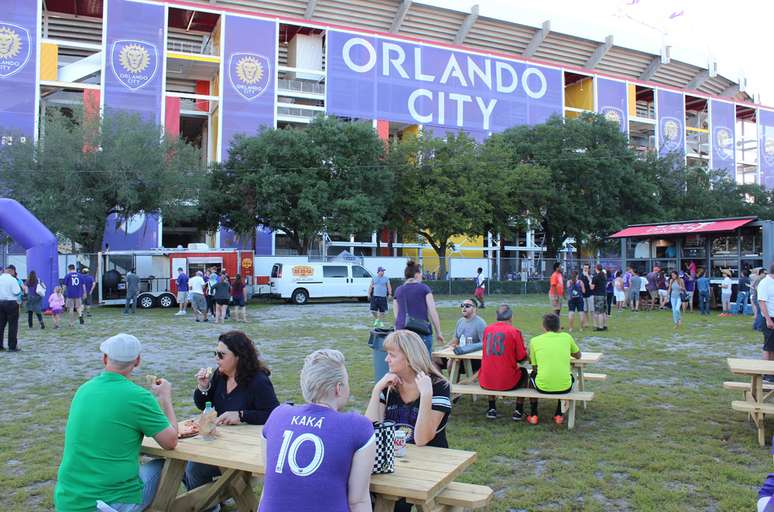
(491, 414)
(42, 326)
(559, 419)
(198, 320)
(604, 328)
(179, 313)
(517, 415)
(80, 320)
(532, 420)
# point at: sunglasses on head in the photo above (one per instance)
(466, 306)
(219, 354)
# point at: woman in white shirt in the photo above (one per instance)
(725, 293)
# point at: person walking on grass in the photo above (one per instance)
(726, 288)
(635, 288)
(36, 292)
(575, 303)
(587, 318)
(56, 302)
(379, 293)
(598, 289)
(88, 290)
(652, 286)
(766, 305)
(703, 288)
(73, 294)
(239, 298)
(132, 289)
(556, 289)
(676, 289)
(222, 295)
(758, 317)
(198, 302)
(619, 291)
(742, 292)
(182, 291)
(9, 308)
(480, 285)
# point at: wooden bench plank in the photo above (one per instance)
(473, 389)
(745, 386)
(466, 496)
(748, 406)
(596, 377)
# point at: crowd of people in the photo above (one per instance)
(590, 296)
(212, 294)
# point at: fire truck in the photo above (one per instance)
(157, 269)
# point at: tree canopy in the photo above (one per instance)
(81, 170)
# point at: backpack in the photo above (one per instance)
(575, 292)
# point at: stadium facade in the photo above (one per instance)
(208, 70)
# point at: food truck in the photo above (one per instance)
(715, 245)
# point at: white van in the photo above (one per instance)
(299, 282)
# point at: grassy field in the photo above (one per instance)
(660, 434)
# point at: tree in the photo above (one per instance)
(595, 187)
(82, 170)
(328, 176)
(437, 195)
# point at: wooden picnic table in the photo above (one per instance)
(238, 450)
(755, 369)
(578, 365)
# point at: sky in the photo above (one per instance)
(736, 35)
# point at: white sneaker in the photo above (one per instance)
(180, 313)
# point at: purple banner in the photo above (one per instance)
(136, 233)
(249, 64)
(231, 240)
(376, 78)
(18, 62)
(766, 147)
(723, 136)
(611, 101)
(670, 107)
(134, 53)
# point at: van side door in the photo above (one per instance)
(335, 281)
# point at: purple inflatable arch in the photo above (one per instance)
(40, 243)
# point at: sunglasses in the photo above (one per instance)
(219, 354)
(466, 306)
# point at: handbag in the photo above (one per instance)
(384, 434)
(683, 296)
(40, 289)
(421, 327)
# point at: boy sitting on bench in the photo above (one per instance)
(549, 354)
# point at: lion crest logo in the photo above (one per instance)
(249, 74)
(614, 115)
(14, 49)
(671, 138)
(723, 143)
(134, 63)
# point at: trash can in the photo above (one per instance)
(376, 341)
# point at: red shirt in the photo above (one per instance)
(503, 348)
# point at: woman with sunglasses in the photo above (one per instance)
(240, 391)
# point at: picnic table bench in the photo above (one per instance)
(572, 397)
(424, 477)
(578, 365)
(756, 393)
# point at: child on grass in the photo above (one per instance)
(56, 302)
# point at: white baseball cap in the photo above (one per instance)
(121, 347)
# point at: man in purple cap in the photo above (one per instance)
(378, 292)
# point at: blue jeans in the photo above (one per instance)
(676, 302)
(150, 474)
(428, 339)
(131, 302)
(758, 323)
(198, 474)
(741, 302)
(704, 303)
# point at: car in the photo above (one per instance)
(300, 282)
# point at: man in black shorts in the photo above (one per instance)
(598, 290)
(378, 292)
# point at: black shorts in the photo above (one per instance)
(533, 378)
(222, 302)
(238, 302)
(575, 305)
(379, 304)
(768, 338)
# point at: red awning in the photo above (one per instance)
(709, 226)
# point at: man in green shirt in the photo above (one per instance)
(550, 355)
(109, 416)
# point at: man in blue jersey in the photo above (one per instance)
(74, 292)
(88, 289)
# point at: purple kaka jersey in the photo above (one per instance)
(73, 285)
(309, 451)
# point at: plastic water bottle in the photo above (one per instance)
(463, 340)
(207, 421)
